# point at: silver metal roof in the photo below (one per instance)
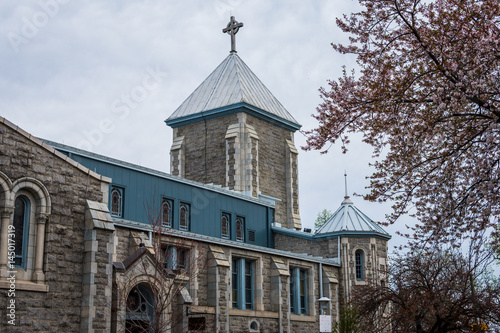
(230, 83)
(347, 219)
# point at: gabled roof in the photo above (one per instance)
(349, 220)
(232, 83)
(50, 149)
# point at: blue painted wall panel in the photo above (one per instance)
(143, 190)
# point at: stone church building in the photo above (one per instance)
(93, 244)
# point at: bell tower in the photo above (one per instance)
(231, 131)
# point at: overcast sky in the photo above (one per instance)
(67, 65)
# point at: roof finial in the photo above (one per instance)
(345, 180)
(232, 28)
(346, 197)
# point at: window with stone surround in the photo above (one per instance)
(184, 219)
(117, 201)
(242, 283)
(166, 213)
(240, 229)
(225, 222)
(175, 257)
(359, 257)
(298, 291)
(21, 226)
(24, 217)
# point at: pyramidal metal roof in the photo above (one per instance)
(350, 220)
(232, 83)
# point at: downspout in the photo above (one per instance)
(323, 299)
(338, 250)
(320, 280)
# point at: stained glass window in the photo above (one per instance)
(166, 213)
(225, 225)
(240, 229)
(117, 201)
(184, 216)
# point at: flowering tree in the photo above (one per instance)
(427, 98)
(433, 290)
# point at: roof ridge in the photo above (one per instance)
(216, 83)
(226, 88)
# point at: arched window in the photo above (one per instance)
(240, 229)
(359, 264)
(21, 225)
(117, 201)
(225, 223)
(166, 213)
(184, 217)
(140, 310)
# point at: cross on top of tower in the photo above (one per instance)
(232, 28)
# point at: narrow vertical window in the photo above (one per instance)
(171, 257)
(166, 213)
(175, 257)
(242, 284)
(235, 284)
(184, 217)
(298, 291)
(117, 201)
(303, 291)
(248, 285)
(240, 229)
(21, 225)
(183, 258)
(225, 225)
(292, 291)
(359, 265)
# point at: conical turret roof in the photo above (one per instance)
(232, 85)
(349, 220)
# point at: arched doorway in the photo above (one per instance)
(140, 310)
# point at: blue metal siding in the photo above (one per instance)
(143, 189)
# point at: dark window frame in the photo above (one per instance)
(240, 232)
(225, 220)
(299, 291)
(243, 283)
(170, 203)
(186, 224)
(21, 223)
(119, 211)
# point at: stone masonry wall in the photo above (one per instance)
(205, 156)
(206, 165)
(59, 309)
(324, 248)
(272, 163)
